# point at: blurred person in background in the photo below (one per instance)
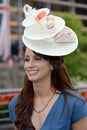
(5, 45)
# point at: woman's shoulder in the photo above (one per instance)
(74, 100)
(11, 106)
(13, 101)
(73, 95)
(77, 105)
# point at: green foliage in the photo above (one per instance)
(77, 61)
(71, 20)
(83, 42)
(77, 64)
(2, 108)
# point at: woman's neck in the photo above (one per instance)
(42, 89)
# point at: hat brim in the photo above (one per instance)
(50, 47)
(39, 32)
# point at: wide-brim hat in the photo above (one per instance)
(65, 45)
(59, 41)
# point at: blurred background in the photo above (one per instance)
(74, 12)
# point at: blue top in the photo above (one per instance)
(59, 118)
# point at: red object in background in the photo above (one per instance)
(6, 98)
(83, 93)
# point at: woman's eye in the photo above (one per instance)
(26, 60)
(38, 58)
(34, 59)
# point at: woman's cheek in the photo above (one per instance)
(25, 66)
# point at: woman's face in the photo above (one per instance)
(36, 68)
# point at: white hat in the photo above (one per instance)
(57, 42)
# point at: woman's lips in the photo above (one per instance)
(32, 72)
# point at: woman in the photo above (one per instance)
(48, 100)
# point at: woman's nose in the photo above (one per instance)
(30, 63)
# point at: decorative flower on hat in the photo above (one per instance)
(51, 23)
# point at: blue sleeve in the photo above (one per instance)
(79, 110)
(12, 108)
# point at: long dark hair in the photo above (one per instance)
(60, 81)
